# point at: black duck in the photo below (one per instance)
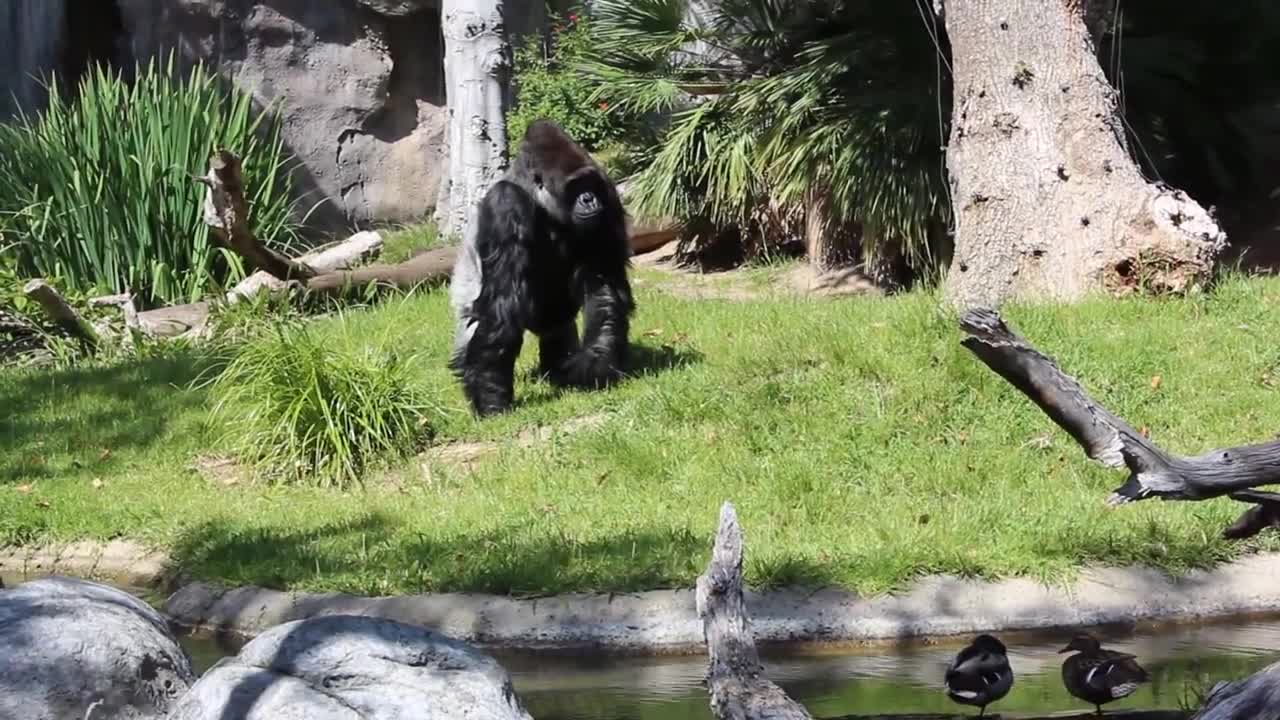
(980, 674)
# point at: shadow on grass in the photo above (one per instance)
(375, 554)
(58, 421)
(647, 360)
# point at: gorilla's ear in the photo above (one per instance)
(537, 180)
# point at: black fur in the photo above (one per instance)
(551, 241)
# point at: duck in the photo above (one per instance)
(1099, 676)
(980, 674)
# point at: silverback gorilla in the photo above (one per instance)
(549, 239)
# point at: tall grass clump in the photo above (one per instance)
(299, 408)
(96, 190)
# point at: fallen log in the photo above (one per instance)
(1110, 715)
(1108, 439)
(735, 678)
(349, 252)
(226, 212)
(58, 310)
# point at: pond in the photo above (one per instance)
(1182, 660)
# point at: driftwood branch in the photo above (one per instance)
(226, 211)
(1113, 442)
(1111, 715)
(61, 313)
(735, 677)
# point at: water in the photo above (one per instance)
(907, 679)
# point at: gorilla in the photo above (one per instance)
(548, 240)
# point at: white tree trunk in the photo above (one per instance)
(1048, 203)
(477, 67)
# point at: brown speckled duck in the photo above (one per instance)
(1099, 676)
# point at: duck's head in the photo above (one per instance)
(1084, 642)
(989, 644)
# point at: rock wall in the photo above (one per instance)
(31, 41)
(359, 85)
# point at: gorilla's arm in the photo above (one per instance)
(607, 310)
(494, 323)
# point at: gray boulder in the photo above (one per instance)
(1256, 697)
(342, 667)
(70, 645)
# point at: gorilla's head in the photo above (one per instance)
(578, 200)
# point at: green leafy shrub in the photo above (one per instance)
(96, 191)
(782, 107)
(300, 408)
(549, 85)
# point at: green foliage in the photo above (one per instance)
(96, 190)
(301, 408)
(549, 86)
(776, 101)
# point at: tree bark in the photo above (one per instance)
(1048, 203)
(1113, 442)
(739, 690)
(477, 68)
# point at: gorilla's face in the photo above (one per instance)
(577, 200)
(585, 193)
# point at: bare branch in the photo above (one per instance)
(739, 689)
(1110, 440)
(61, 313)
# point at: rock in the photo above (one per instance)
(400, 7)
(361, 92)
(69, 645)
(345, 667)
(1256, 697)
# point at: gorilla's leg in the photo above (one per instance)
(607, 309)
(556, 349)
(492, 325)
(487, 365)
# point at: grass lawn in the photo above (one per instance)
(861, 443)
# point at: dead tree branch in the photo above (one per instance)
(226, 211)
(1113, 442)
(735, 678)
(61, 313)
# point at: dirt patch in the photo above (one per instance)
(221, 470)
(466, 455)
(810, 280)
(739, 284)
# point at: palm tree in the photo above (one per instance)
(787, 121)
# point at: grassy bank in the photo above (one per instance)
(862, 445)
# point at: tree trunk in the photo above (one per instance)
(1048, 203)
(827, 244)
(477, 67)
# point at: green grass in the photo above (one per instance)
(401, 243)
(862, 445)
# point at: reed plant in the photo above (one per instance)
(96, 190)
